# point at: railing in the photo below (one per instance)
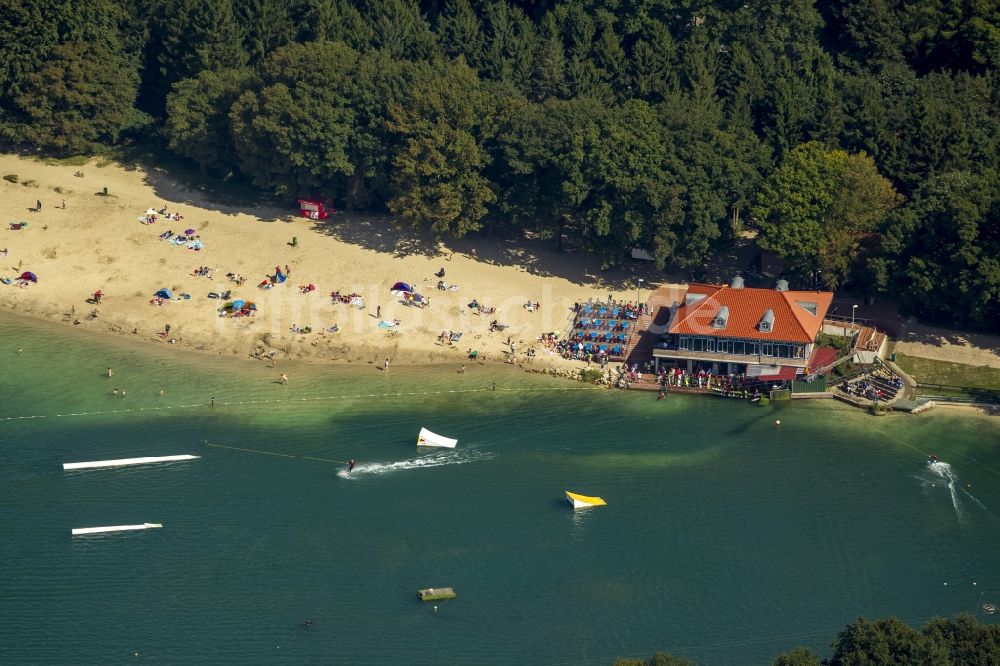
(827, 368)
(840, 320)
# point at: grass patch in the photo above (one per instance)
(591, 375)
(930, 371)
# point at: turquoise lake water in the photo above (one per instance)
(725, 539)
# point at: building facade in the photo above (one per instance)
(765, 333)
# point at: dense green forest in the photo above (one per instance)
(960, 641)
(860, 137)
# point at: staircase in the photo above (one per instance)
(641, 342)
(660, 304)
(646, 332)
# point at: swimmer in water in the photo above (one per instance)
(350, 466)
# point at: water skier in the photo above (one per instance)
(350, 466)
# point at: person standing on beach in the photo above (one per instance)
(378, 311)
(385, 366)
(38, 205)
(110, 373)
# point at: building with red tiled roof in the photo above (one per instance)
(736, 329)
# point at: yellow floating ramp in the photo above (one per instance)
(583, 501)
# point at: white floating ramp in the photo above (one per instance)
(127, 461)
(428, 438)
(114, 528)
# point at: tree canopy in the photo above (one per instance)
(819, 206)
(663, 124)
(958, 641)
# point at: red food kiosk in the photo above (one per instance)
(315, 209)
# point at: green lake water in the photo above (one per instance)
(725, 539)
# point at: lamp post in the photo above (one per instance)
(853, 308)
(638, 292)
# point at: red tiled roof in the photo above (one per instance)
(822, 357)
(792, 322)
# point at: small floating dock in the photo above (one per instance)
(436, 594)
(126, 461)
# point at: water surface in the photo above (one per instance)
(725, 539)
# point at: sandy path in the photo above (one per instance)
(948, 345)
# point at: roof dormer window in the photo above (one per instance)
(808, 306)
(722, 318)
(766, 324)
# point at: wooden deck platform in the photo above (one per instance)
(436, 594)
(661, 304)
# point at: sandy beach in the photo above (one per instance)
(102, 243)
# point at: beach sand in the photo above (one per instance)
(98, 243)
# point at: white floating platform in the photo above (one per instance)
(115, 528)
(127, 461)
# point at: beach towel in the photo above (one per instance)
(455, 337)
(386, 324)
